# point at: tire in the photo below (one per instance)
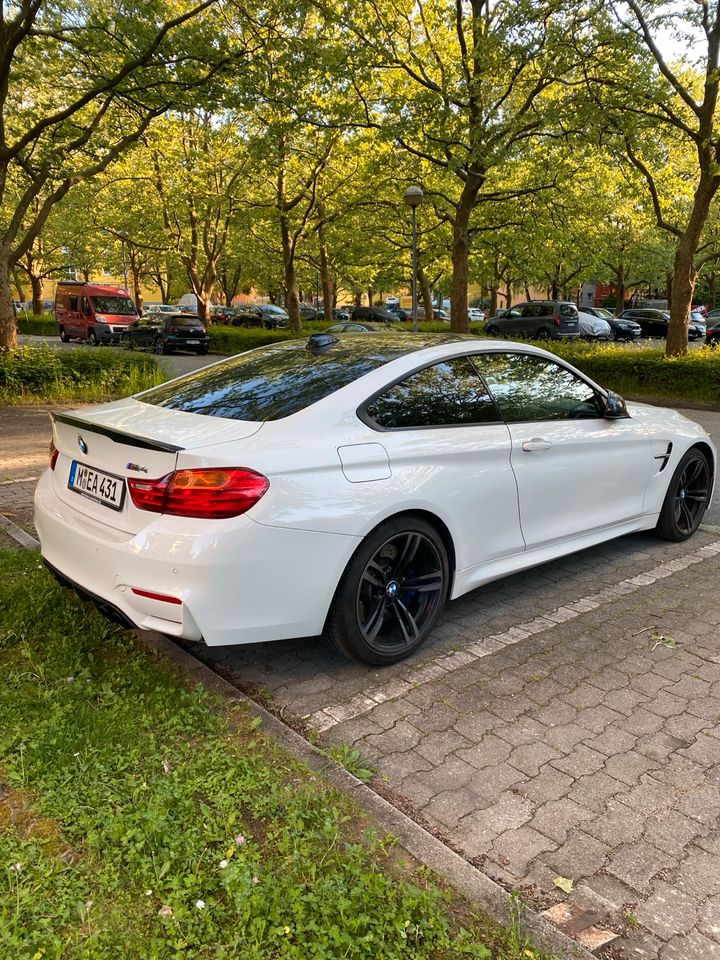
(159, 345)
(94, 338)
(63, 336)
(542, 334)
(126, 343)
(687, 497)
(493, 331)
(375, 617)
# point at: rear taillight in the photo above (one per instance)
(172, 330)
(215, 493)
(54, 452)
(557, 320)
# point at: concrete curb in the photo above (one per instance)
(426, 848)
(17, 533)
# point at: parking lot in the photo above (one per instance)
(560, 723)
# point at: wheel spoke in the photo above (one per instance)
(687, 516)
(374, 622)
(412, 544)
(693, 471)
(427, 583)
(697, 495)
(406, 621)
(374, 575)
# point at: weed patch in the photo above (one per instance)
(192, 834)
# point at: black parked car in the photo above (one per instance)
(654, 323)
(376, 314)
(369, 326)
(164, 334)
(261, 315)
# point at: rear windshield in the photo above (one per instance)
(189, 321)
(120, 306)
(277, 381)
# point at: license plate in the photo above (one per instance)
(193, 342)
(99, 486)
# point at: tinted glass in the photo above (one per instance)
(443, 395)
(72, 303)
(121, 306)
(529, 388)
(568, 310)
(532, 310)
(183, 322)
(277, 381)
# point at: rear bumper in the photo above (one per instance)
(237, 581)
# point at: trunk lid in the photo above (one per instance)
(129, 439)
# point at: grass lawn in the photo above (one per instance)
(140, 818)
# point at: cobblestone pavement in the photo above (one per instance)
(561, 723)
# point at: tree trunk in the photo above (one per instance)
(357, 298)
(459, 322)
(135, 272)
(8, 329)
(425, 293)
(712, 290)
(292, 300)
(684, 272)
(37, 297)
(371, 296)
(325, 277)
(620, 289)
(493, 309)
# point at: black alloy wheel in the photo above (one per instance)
(391, 594)
(159, 345)
(126, 342)
(687, 497)
(543, 334)
(493, 331)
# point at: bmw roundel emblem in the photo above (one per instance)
(83, 446)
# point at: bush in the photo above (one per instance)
(231, 340)
(647, 371)
(37, 325)
(40, 373)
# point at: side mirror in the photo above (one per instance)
(615, 408)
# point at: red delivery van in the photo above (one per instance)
(92, 311)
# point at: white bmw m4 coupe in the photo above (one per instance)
(350, 485)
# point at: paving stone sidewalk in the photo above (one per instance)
(561, 723)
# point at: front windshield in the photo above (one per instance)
(119, 306)
(602, 312)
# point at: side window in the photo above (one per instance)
(86, 306)
(531, 310)
(72, 303)
(446, 394)
(568, 310)
(528, 388)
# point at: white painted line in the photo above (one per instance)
(17, 533)
(446, 663)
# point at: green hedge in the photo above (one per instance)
(31, 374)
(38, 326)
(646, 371)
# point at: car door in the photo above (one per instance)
(147, 329)
(447, 445)
(576, 471)
(510, 323)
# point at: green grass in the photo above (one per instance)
(142, 818)
(32, 374)
(38, 325)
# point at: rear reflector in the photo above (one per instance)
(155, 596)
(214, 494)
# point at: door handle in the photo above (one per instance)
(536, 445)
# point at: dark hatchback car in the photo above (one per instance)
(654, 323)
(372, 314)
(369, 327)
(164, 334)
(539, 319)
(265, 315)
(712, 337)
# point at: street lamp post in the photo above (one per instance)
(413, 198)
